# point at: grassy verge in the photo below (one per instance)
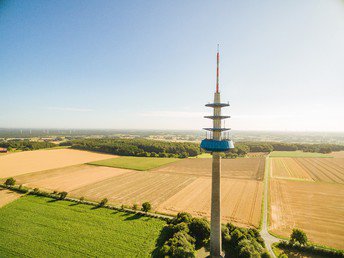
(43, 227)
(298, 154)
(136, 163)
(203, 156)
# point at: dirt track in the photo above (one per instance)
(33, 161)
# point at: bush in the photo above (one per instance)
(10, 181)
(265, 255)
(283, 256)
(103, 202)
(200, 230)
(180, 245)
(298, 236)
(135, 207)
(182, 217)
(146, 207)
(63, 195)
(82, 199)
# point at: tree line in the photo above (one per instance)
(280, 146)
(25, 145)
(137, 147)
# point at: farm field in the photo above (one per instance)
(31, 161)
(309, 169)
(241, 168)
(162, 189)
(163, 186)
(298, 154)
(337, 154)
(7, 196)
(315, 207)
(41, 227)
(135, 187)
(136, 163)
(240, 200)
(68, 178)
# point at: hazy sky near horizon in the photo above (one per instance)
(151, 64)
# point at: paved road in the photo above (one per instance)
(268, 239)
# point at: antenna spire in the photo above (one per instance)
(217, 69)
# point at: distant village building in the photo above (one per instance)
(3, 150)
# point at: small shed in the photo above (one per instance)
(3, 150)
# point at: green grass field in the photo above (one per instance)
(42, 227)
(136, 163)
(298, 154)
(203, 156)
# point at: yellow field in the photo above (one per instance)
(241, 168)
(317, 208)
(240, 200)
(180, 186)
(31, 161)
(309, 169)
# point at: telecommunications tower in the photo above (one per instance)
(217, 141)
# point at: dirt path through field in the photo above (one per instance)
(268, 238)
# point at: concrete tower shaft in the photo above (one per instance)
(215, 145)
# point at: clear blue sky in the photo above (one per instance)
(151, 64)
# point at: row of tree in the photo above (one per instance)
(279, 146)
(25, 145)
(137, 147)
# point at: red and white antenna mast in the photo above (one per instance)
(217, 69)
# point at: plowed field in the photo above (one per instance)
(180, 186)
(317, 208)
(68, 178)
(241, 168)
(240, 200)
(136, 187)
(309, 169)
(32, 161)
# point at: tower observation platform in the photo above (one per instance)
(217, 140)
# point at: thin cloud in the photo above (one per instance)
(71, 109)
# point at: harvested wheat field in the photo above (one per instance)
(241, 168)
(7, 196)
(135, 187)
(337, 154)
(317, 208)
(240, 200)
(68, 178)
(309, 169)
(32, 161)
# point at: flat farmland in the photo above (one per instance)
(135, 187)
(240, 168)
(317, 208)
(309, 169)
(68, 178)
(183, 185)
(32, 161)
(240, 200)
